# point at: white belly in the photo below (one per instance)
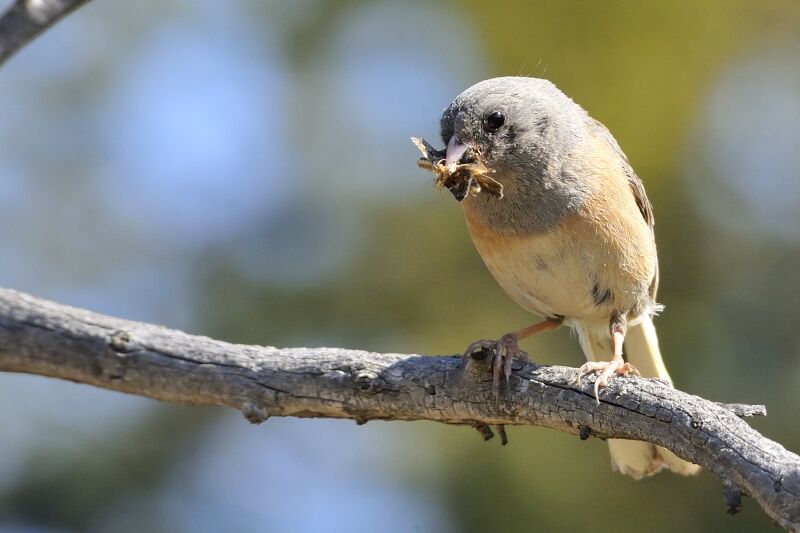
(544, 280)
(570, 271)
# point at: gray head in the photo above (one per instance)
(526, 130)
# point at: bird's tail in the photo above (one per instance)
(635, 458)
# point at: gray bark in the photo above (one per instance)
(26, 19)
(49, 339)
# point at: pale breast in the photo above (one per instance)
(579, 270)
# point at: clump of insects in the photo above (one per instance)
(461, 179)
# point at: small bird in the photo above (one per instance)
(569, 236)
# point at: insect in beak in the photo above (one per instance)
(461, 179)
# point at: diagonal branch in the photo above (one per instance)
(49, 339)
(26, 19)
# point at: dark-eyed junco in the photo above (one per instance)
(569, 238)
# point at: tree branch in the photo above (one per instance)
(26, 19)
(49, 339)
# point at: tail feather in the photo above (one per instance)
(637, 459)
(641, 349)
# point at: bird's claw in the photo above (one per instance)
(604, 370)
(505, 350)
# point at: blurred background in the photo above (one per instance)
(242, 169)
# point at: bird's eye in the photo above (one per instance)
(494, 121)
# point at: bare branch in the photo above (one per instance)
(26, 19)
(41, 337)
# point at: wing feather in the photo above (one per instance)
(636, 185)
(637, 188)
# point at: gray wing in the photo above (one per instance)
(637, 187)
(645, 207)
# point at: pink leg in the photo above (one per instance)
(617, 365)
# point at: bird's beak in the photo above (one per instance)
(455, 151)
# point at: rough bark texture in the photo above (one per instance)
(26, 19)
(45, 338)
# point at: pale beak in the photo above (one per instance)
(455, 151)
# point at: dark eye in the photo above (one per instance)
(494, 121)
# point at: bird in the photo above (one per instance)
(569, 237)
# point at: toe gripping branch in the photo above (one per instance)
(487, 434)
(480, 358)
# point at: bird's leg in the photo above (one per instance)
(617, 364)
(506, 348)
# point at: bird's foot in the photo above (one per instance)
(605, 369)
(505, 350)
